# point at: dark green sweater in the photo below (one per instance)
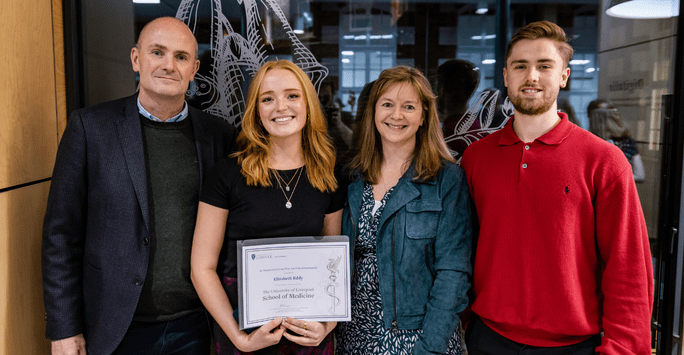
(173, 176)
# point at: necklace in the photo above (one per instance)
(385, 188)
(287, 184)
(387, 181)
(288, 204)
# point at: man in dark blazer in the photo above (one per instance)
(122, 208)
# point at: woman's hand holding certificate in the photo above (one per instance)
(265, 336)
(302, 332)
(310, 333)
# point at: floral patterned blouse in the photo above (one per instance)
(366, 334)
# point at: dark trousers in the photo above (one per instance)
(482, 340)
(187, 335)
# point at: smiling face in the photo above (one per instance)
(281, 104)
(398, 115)
(534, 73)
(166, 59)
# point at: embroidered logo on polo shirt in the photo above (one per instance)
(567, 189)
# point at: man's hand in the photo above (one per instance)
(74, 345)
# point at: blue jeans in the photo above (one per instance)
(482, 340)
(189, 335)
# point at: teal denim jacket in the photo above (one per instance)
(423, 247)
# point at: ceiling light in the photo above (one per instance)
(347, 52)
(489, 61)
(146, 1)
(481, 8)
(477, 38)
(578, 62)
(643, 9)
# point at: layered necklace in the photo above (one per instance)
(281, 182)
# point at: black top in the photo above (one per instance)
(173, 170)
(260, 212)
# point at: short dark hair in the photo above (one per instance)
(543, 29)
(457, 79)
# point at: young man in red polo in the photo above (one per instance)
(562, 263)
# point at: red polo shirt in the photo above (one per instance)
(547, 210)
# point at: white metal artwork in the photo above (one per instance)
(480, 120)
(233, 55)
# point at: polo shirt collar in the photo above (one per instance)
(553, 137)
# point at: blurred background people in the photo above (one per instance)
(351, 101)
(565, 107)
(363, 102)
(607, 124)
(339, 131)
(598, 103)
(457, 80)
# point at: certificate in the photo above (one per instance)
(300, 277)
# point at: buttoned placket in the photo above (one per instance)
(524, 162)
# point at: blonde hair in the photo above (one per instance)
(254, 140)
(430, 151)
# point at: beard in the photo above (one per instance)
(532, 107)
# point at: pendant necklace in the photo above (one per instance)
(288, 204)
(287, 184)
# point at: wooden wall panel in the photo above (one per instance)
(60, 74)
(28, 125)
(22, 314)
(34, 108)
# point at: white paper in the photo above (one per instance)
(303, 280)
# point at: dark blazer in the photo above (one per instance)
(96, 232)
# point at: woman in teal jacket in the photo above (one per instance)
(408, 220)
